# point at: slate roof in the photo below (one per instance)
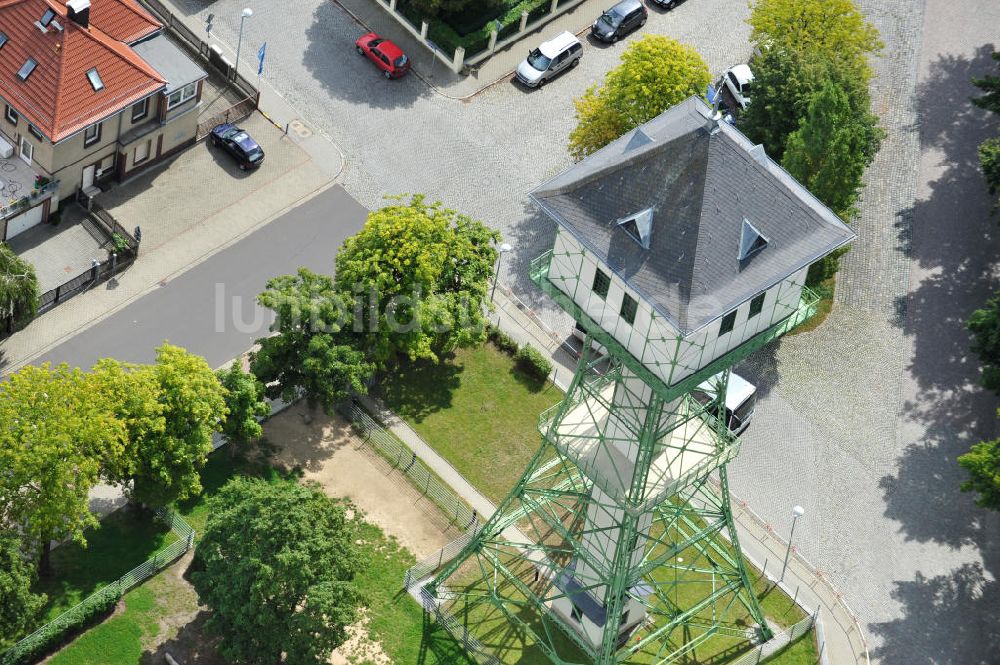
(702, 179)
(57, 97)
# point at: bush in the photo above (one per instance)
(533, 362)
(57, 633)
(503, 341)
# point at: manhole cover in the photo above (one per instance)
(300, 129)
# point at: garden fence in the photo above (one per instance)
(54, 632)
(780, 640)
(406, 461)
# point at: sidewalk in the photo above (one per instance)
(498, 67)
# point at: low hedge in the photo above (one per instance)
(503, 341)
(533, 362)
(57, 633)
(448, 38)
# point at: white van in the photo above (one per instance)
(741, 399)
(559, 53)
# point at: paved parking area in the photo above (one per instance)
(60, 251)
(859, 421)
(173, 197)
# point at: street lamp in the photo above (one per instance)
(504, 248)
(797, 512)
(247, 13)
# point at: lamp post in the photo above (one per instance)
(797, 512)
(247, 13)
(504, 248)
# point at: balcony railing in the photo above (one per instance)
(16, 206)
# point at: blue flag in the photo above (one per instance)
(261, 52)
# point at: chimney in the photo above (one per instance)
(78, 11)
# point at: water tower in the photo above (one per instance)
(680, 248)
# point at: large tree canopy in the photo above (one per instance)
(835, 29)
(314, 351)
(985, 327)
(655, 73)
(983, 465)
(276, 564)
(990, 85)
(54, 436)
(170, 411)
(245, 403)
(832, 148)
(419, 274)
(18, 605)
(18, 287)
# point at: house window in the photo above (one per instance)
(629, 307)
(728, 323)
(11, 115)
(577, 614)
(34, 131)
(92, 134)
(140, 109)
(756, 306)
(27, 150)
(95, 79)
(180, 96)
(601, 283)
(141, 153)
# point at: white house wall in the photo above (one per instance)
(652, 339)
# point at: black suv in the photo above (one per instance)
(618, 21)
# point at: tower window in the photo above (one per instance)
(629, 307)
(756, 306)
(624, 619)
(601, 283)
(577, 614)
(728, 323)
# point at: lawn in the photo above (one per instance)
(800, 652)
(124, 540)
(477, 409)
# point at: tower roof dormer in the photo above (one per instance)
(693, 216)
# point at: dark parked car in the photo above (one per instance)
(666, 4)
(618, 21)
(239, 144)
(387, 56)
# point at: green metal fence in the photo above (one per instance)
(406, 461)
(47, 636)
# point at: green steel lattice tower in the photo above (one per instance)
(680, 248)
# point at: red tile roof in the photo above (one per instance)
(123, 20)
(57, 97)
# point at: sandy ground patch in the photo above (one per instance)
(328, 452)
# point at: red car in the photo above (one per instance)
(387, 56)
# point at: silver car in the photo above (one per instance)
(543, 63)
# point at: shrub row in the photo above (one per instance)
(448, 38)
(57, 633)
(529, 359)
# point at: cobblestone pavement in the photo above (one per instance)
(859, 421)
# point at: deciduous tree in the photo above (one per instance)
(983, 465)
(18, 287)
(275, 565)
(990, 85)
(985, 327)
(54, 436)
(245, 403)
(419, 274)
(18, 605)
(655, 73)
(314, 351)
(989, 161)
(835, 29)
(170, 410)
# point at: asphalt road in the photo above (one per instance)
(210, 310)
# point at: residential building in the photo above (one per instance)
(91, 90)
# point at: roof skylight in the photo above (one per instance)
(47, 18)
(3, 38)
(26, 69)
(638, 226)
(95, 79)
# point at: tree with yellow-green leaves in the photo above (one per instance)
(418, 275)
(56, 433)
(655, 73)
